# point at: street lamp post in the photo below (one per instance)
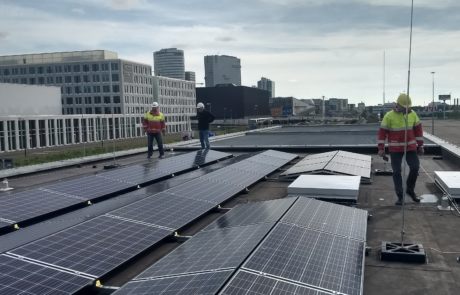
(432, 107)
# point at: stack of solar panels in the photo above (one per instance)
(287, 246)
(94, 248)
(29, 206)
(449, 182)
(336, 162)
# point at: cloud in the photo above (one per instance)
(79, 11)
(3, 35)
(225, 39)
(124, 4)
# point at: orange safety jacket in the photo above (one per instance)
(153, 122)
(393, 127)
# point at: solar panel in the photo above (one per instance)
(211, 250)
(89, 187)
(20, 206)
(165, 209)
(206, 190)
(246, 283)
(137, 174)
(311, 163)
(310, 257)
(94, 247)
(199, 284)
(253, 213)
(22, 277)
(328, 217)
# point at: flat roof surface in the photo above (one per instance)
(437, 231)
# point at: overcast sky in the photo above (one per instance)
(310, 48)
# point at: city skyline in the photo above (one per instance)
(309, 48)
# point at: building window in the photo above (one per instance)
(115, 78)
(40, 70)
(76, 79)
(106, 88)
(69, 100)
(49, 80)
(116, 88)
(96, 78)
(97, 110)
(114, 66)
(105, 78)
(117, 110)
(32, 81)
(68, 90)
(86, 78)
(68, 79)
(31, 70)
(104, 67)
(106, 99)
(22, 71)
(85, 68)
(88, 100)
(77, 89)
(89, 110)
(58, 69)
(58, 79)
(67, 68)
(95, 67)
(97, 100)
(107, 110)
(116, 99)
(49, 69)
(78, 100)
(97, 88)
(76, 68)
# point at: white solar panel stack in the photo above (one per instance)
(326, 187)
(449, 181)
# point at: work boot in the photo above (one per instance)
(413, 196)
(399, 201)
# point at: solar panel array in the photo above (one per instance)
(98, 246)
(301, 249)
(25, 277)
(23, 207)
(340, 162)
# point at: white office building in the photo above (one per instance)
(91, 82)
(169, 62)
(222, 69)
(267, 84)
(177, 99)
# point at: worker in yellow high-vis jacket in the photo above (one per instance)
(154, 125)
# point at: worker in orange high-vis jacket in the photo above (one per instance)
(154, 125)
(393, 129)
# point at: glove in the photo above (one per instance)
(381, 153)
(420, 150)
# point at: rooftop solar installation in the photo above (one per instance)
(213, 250)
(94, 247)
(193, 284)
(336, 162)
(247, 283)
(328, 217)
(165, 210)
(19, 206)
(253, 213)
(314, 258)
(24, 277)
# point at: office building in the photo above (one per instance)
(267, 84)
(177, 99)
(234, 102)
(91, 82)
(222, 69)
(169, 62)
(190, 76)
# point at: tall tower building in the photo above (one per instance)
(169, 62)
(190, 76)
(222, 69)
(267, 84)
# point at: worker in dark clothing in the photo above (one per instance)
(204, 118)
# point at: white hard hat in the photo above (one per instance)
(155, 105)
(200, 105)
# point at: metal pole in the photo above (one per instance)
(432, 107)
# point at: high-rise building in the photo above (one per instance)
(169, 62)
(222, 69)
(267, 84)
(91, 82)
(177, 99)
(190, 76)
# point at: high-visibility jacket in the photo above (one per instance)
(393, 127)
(154, 122)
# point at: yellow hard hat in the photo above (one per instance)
(404, 100)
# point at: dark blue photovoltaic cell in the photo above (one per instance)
(332, 218)
(165, 209)
(94, 247)
(246, 283)
(19, 206)
(199, 284)
(253, 213)
(21, 277)
(311, 257)
(210, 250)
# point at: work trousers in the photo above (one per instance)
(159, 139)
(413, 163)
(204, 139)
